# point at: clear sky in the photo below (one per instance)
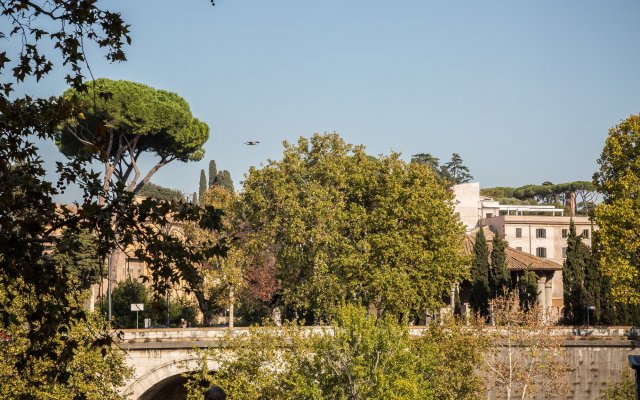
(524, 91)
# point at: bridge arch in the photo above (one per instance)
(164, 382)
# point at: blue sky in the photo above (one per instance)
(524, 91)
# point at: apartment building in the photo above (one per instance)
(537, 230)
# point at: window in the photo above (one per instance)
(541, 233)
(585, 234)
(518, 232)
(565, 233)
(489, 215)
(564, 252)
(541, 252)
(519, 248)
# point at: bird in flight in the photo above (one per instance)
(251, 143)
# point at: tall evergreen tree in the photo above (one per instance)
(593, 281)
(224, 179)
(528, 289)
(480, 275)
(456, 169)
(213, 172)
(573, 272)
(203, 183)
(499, 275)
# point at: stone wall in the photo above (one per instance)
(596, 356)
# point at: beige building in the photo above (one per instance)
(539, 231)
(549, 273)
(540, 235)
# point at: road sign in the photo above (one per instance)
(137, 307)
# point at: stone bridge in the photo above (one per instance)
(161, 356)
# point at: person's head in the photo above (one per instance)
(215, 393)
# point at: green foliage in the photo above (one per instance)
(623, 389)
(573, 273)
(528, 290)
(79, 251)
(617, 216)
(126, 293)
(203, 184)
(547, 193)
(498, 192)
(30, 219)
(366, 357)
(499, 275)
(456, 169)
(161, 193)
(213, 172)
(116, 117)
(129, 292)
(223, 178)
(94, 372)
(480, 290)
(70, 26)
(345, 227)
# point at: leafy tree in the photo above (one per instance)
(528, 290)
(213, 172)
(427, 159)
(458, 172)
(116, 122)
(617, 216)
(440, 170)
(582, 192)
(25, 375)
(526, 359)
(203, 184)
(498, 192)
(130, 291)
(343, 226)
(622, 389)
(28, 213)
(79, 251)
(161, 193)
(573, 274)
(499, 275)
(480, 275)
(364, 357)
(218, 278)
(126, 293)
(29, 217)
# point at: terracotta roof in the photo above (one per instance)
(516, 260)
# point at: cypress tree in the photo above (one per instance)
(593, 281)
(203, 184)
(224, 179)
(213, 172)
(499, 275)
(573, 272)
(480, 275)
(528, 289)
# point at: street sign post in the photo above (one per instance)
(137, 307)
